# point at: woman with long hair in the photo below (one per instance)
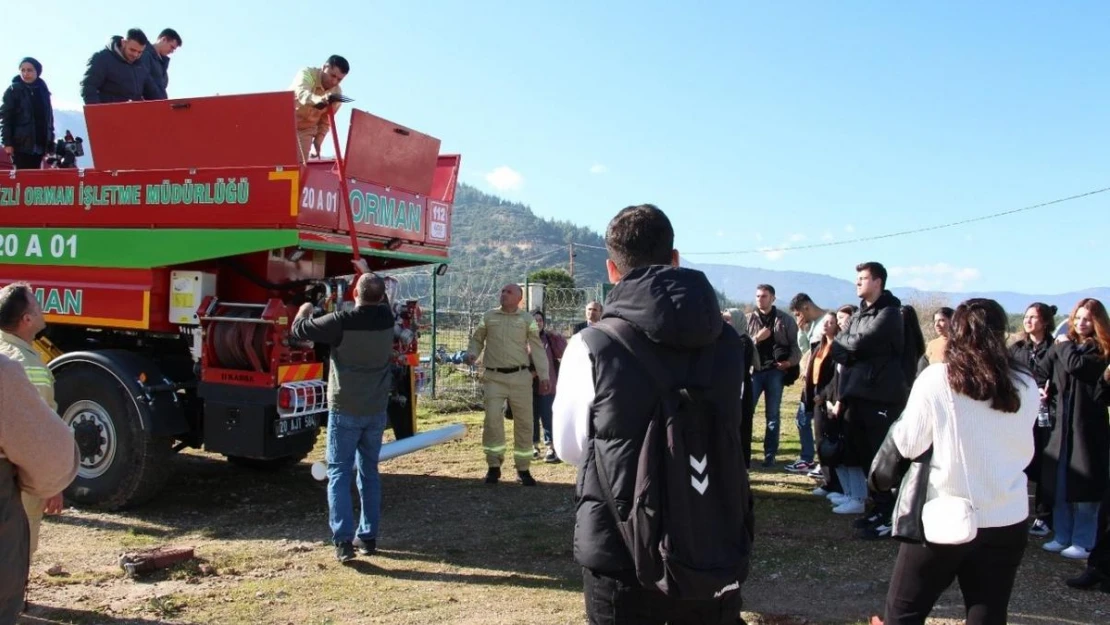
(1075, 467)
(1030, 350)
(976, 411)
(27, 117)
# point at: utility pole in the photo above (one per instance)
(572, 260)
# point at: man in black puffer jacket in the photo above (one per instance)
(118, 73)
(604, 403)
(873, 385)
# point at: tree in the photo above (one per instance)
(553, 277)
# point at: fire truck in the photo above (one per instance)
(169, 274)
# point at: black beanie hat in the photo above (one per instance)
(34, 63)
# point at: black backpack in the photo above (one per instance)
(690, 527)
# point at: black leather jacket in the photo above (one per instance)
(891, 469)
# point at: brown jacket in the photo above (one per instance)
(785, 334)
(38, 456)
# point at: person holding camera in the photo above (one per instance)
(27, 117)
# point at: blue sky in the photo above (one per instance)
(754, 125)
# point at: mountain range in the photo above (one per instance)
(500, 239)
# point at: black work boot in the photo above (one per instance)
(525, 478)
(493, 475)
(1090, 579)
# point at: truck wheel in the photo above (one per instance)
(121, 464)
(275, 464)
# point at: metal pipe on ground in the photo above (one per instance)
(405, 446)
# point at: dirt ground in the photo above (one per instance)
(454, 550)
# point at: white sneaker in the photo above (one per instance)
(852, 506)
(1075, 552)
(838, 498)
(820, 492)
(1054, 547)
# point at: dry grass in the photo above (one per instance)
(453, 551)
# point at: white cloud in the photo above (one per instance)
(505, 178)
(720, 233)
(797, 237)
(598, 169)
(772, 253)
(936, 277)
(849, 228)
(828, 236)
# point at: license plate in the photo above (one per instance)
(292, 425)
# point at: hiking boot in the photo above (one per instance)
(493, 475)
(551, 457)
(344, 551)
(525, 478)
(1039, 528)
(366, 547)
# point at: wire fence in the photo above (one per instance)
(451, 308)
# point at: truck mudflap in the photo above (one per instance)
(153, 395)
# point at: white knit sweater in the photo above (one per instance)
(994, 447)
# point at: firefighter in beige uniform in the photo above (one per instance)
(20, 320)
(505, 334)
(315, 89)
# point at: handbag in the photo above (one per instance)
(947, 519)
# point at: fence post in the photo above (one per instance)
(435, 326)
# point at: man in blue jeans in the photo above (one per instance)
(360, 378)
(776, 340)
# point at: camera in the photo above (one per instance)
(66, 152)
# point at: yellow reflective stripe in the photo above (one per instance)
(523, 454)
(496, 449)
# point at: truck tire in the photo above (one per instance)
(121, 464)
(276, 464)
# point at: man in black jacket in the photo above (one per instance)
(360, 379)
(603, 406)
(157, 58)
(117, 72)
(873, 385)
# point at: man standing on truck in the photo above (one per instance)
(21, 320)
(157, 58)
(505, 335)
(314, 89)
(359, 381)
(117, 72)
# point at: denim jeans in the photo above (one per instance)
(769, 382)
(1073, 523)
(542, 406)
(805, 432)
(354, 440)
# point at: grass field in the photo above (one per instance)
(454, 550)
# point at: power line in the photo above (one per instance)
(903, 232)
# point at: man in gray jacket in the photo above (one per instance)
(360, 378)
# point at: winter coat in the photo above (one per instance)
(159, 70)
(109, 77)
(19, 127)
(871, 351)
(1081, 435)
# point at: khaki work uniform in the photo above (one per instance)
(18, 350)
(506, 337)
(313, 124)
